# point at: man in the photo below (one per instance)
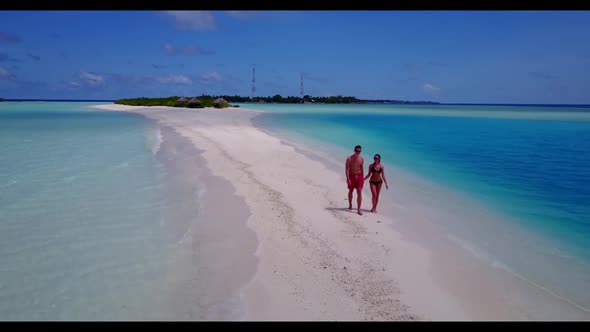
(354, 177)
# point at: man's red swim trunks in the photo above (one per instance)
(356, 181)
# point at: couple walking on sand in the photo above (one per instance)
(355, 178)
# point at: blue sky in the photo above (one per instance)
(444, 56)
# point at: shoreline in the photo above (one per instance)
(209, 246)
(320, 262)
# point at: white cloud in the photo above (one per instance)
(169, 48)
(90, 78)
(175, 79)
(430, 88)
(5, 73)
(192, 19)
(211, 77)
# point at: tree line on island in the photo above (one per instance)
(176, 101)
(224, 101)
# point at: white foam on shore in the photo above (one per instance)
(153, 138)
(479, 253)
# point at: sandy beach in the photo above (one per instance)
(297, 252)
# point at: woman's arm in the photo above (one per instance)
(368, 173)
(384, 179)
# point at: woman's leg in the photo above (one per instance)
(376, 195)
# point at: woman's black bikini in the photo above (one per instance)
(376, 171)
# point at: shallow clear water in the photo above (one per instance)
(80, 203)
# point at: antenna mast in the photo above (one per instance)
(301, 87)
(253, 81)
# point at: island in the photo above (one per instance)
(224, 101)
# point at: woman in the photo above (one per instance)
(377, 174)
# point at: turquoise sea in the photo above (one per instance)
(528, 165)
(83, 229)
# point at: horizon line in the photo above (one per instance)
(439, 103)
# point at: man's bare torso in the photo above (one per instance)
(355, 164)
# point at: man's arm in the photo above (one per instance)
(346, 169)
(363, 167)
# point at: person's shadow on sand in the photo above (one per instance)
(347, 210)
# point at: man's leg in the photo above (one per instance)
(350, 198)
(359, 200)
